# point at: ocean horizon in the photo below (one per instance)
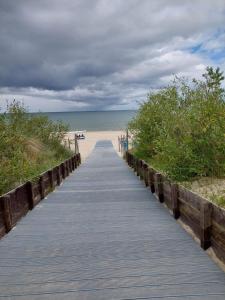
(92, 120)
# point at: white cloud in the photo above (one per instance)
(102, 54)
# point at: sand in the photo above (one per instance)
(91, 137)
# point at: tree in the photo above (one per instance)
(214, 79)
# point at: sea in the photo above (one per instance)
(93, 120)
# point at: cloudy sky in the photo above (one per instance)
(64, 55)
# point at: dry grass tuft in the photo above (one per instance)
(210, 188)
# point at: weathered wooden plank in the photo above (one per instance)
(167, 193)
(190, 216)
(104, 238)
(16, 207)
(190, 198)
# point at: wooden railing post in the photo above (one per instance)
(159, 183)
(69, 166)
(135, 164)
(73, 164)
(30, 193)
(58, 175)
(138, 167)
(205, 224)
(7, 214)
(151, 180)
(69, 143)
(63, 170)
(132, 161)
(145, 169)
(75, 161)
(128, 158)
(175, 201)
(76, 145)
(42, 186)
(141, 169)
(50, 174)
(66, 167)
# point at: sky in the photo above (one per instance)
(69, 55)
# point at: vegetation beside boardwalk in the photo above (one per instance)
(180, 129)
(29, 145)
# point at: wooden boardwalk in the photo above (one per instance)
(102, 235)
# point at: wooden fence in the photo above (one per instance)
(206, 219)
(16, 203)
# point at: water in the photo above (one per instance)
(93, 120)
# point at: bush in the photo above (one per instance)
(181, 129)
(28, 146)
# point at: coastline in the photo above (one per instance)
(91, 137)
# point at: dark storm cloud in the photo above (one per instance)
(100, 53)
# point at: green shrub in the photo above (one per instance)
(28, 146)
(181, 129)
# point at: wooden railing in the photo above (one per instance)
(205, 218)
(71, 144)
(123, 143)
(25, 197)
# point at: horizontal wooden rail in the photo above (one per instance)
(206, 219)
(16, 203)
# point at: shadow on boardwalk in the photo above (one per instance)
(102, 235)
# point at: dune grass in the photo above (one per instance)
(29, 145)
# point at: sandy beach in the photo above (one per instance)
(91, 137)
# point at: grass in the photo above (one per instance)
(29, 145)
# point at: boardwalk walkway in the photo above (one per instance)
(102, 235)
